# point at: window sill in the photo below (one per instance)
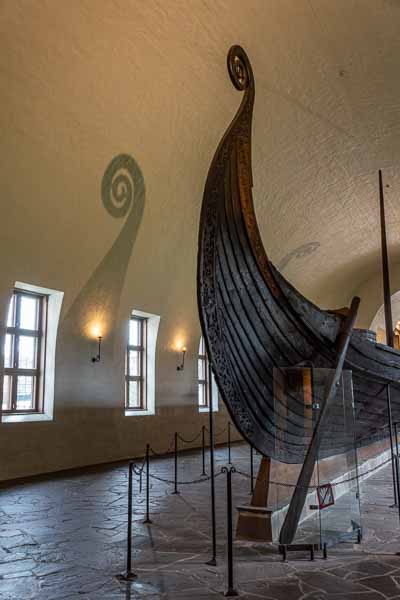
(139, 413)
(205, 409)
(25, 418)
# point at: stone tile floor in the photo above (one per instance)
(65, 538)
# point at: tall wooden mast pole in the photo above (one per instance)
(385, 269)
(389, 327)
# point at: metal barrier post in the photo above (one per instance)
(203, 448)
(397, 464)
(231, 590)
(147, 520)
(129, 575)
(176, 465)
(229, 443)
(389, 407)
(396, 458)
(213, 560)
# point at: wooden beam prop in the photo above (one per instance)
(254, 522)
(292, 518)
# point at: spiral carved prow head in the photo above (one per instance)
(239, 68)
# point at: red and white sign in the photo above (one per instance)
(325, 496)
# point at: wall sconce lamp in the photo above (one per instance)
(182, 365)
(98, 355)
(97, 333)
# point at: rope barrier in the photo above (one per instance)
(294, 485)
(162, 453)
(200, 480)
(189, 441)
(185, 441)
(139, 471)
(219, 433)
(144, 468)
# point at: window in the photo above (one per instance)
(136, 363)
(203, 375)
(30, 353)
(140, 372)
(23, 353)
(203, 380)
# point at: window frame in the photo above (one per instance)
(141, 379)
(208, 385)
(40, 334)
(203, 383)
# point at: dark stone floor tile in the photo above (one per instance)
(386, 585)
(327, 582)
(65, 539)
(354, 596)
(362, 568)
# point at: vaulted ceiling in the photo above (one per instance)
(85, 80)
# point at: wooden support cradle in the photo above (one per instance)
(254, 522)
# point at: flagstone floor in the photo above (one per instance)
(65, 538)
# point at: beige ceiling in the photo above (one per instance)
(84, 80)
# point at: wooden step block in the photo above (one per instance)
(254, 523)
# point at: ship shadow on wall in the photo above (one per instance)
(299, 252)
(97, 304)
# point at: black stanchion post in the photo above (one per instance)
(147, 520)
(396, 441)
(389, 407)
(251, 469)
(231, 589)
(213, 560)
(176, 465)
(203, 448)
(229, 443)
(129, 575)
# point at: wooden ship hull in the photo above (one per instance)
(256, 325)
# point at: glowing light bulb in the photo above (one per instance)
(96, 331)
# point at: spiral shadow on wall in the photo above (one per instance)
(122, 195)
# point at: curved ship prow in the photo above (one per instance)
(256, 325)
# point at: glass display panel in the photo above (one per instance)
(331, 511)
(25, 393)
(28, 313)
(341, 521)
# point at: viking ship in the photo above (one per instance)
(257, 326)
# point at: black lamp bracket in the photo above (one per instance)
(98, 355)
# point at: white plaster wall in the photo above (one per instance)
(84, 80)
(371, 311)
